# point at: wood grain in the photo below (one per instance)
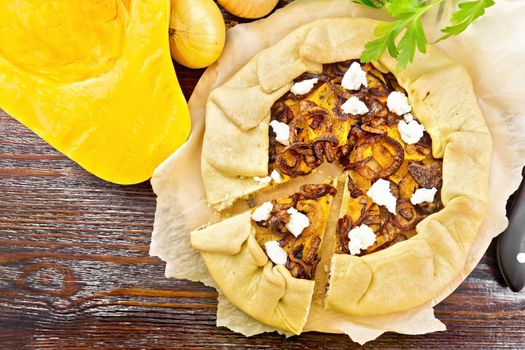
(75, 273)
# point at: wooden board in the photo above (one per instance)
(75, 271)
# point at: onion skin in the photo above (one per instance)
(249, 8)
(197, 32)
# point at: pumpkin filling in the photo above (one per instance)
(392, 179)
(290, 230)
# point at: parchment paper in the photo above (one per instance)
(492, 50)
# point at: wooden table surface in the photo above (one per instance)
(75, 270)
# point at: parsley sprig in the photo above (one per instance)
(407, 23)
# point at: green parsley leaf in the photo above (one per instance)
(375, 48)
(468, 12)
(402, 9)
(408, 19)
(407, 48)
(420, 36)
(407, 23)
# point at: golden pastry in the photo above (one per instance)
(414, 150)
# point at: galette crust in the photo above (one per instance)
(401, 277)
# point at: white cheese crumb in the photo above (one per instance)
(410, 132)
(521, 258)
(282, 132)
(354, 77)
(298, 222)
(276, 177)
(262, 180)
(423, 195)
(408, 117)
(263, 212)
(361, 237)
(354, 106)
(397, 102)
(276, 254)
(381, 195)
(304, 87)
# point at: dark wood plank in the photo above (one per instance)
(75, 273)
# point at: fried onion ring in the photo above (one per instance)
(361, 165)
(407, 216)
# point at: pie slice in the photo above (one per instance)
(264, 260)
(283, 229)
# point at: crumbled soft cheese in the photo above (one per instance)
(354, 106)
(276, 177)
(298, 222)
(408, 117)
(304, 87)
(282, 132)
(423, 195)
(381, 195)
(397, 102)
(410, 132)
(276, 254)
(262, 212)
(354, 77)
(521, 258)
(361, 237)
(263, 180)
